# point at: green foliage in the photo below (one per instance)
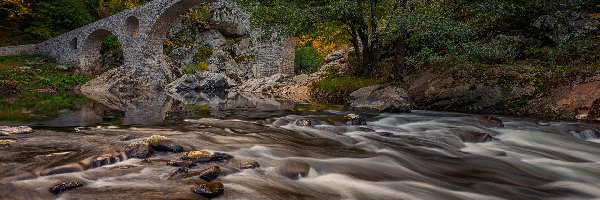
(34, 72)
(196, 67)
(51, 18)
(202, 110)
(343, 84)
(308, 60)
(111, 51)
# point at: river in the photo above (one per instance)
(418, 155)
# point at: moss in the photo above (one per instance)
(136, 143)
(198, 154)
(156, 138)
(244, 58)
(203, 54)
(202, 110)
(195, 67)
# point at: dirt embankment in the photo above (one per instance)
(523, 90)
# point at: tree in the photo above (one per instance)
(367, 22)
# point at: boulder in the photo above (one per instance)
(185, 83)
(167, 145)
(208, 189)
(181, 163)
(303, 122)
(354, 119)
(139, 150)
(380, 98)
(246, 164)
(8, 130)
(210, 173)
(492, 121)
(64, 186)
(294, 169)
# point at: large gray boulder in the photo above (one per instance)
(380, 98)
(201, 82)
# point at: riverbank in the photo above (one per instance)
(34, 87)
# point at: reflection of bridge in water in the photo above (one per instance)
(155, 108)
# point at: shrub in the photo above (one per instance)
(308, 60)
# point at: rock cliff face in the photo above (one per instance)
(225, 43)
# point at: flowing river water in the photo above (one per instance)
(418, 155)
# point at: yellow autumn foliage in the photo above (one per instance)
(20, 8)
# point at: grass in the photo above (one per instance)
(36, 72)
(32, 74)
(343, 84)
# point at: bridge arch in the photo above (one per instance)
(90, 58)
(164, 22)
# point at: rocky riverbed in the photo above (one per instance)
(302, 154)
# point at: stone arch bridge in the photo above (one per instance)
(140, 32)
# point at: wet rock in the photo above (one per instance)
(379, 98)
(247, 164)
(205, 156)
(8, 130)
(210, 173)
(353, 119)
(492, 121)
(162, 143)
(139, 150)
(167, 145)
(182, 170)
(64, 186)
(102, 160)
(473, 136)
(198, 156)
(70, 168)
(303, 122)
(4, 143)
(181, 163)
(221, 157)
(294, 169)
(209, 189)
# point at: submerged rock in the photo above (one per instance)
(210, 173)
(492, 121)
(353, 119)
(181, 163)
(8, 130)
(64, 186)
(221, 157)
(380, 98)
(4, 143)
(294, 169)
(139, 150)
(209, 189)
(246, 164)
(303, 122)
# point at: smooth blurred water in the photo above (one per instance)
(419, 155)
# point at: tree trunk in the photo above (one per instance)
(399, 60)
